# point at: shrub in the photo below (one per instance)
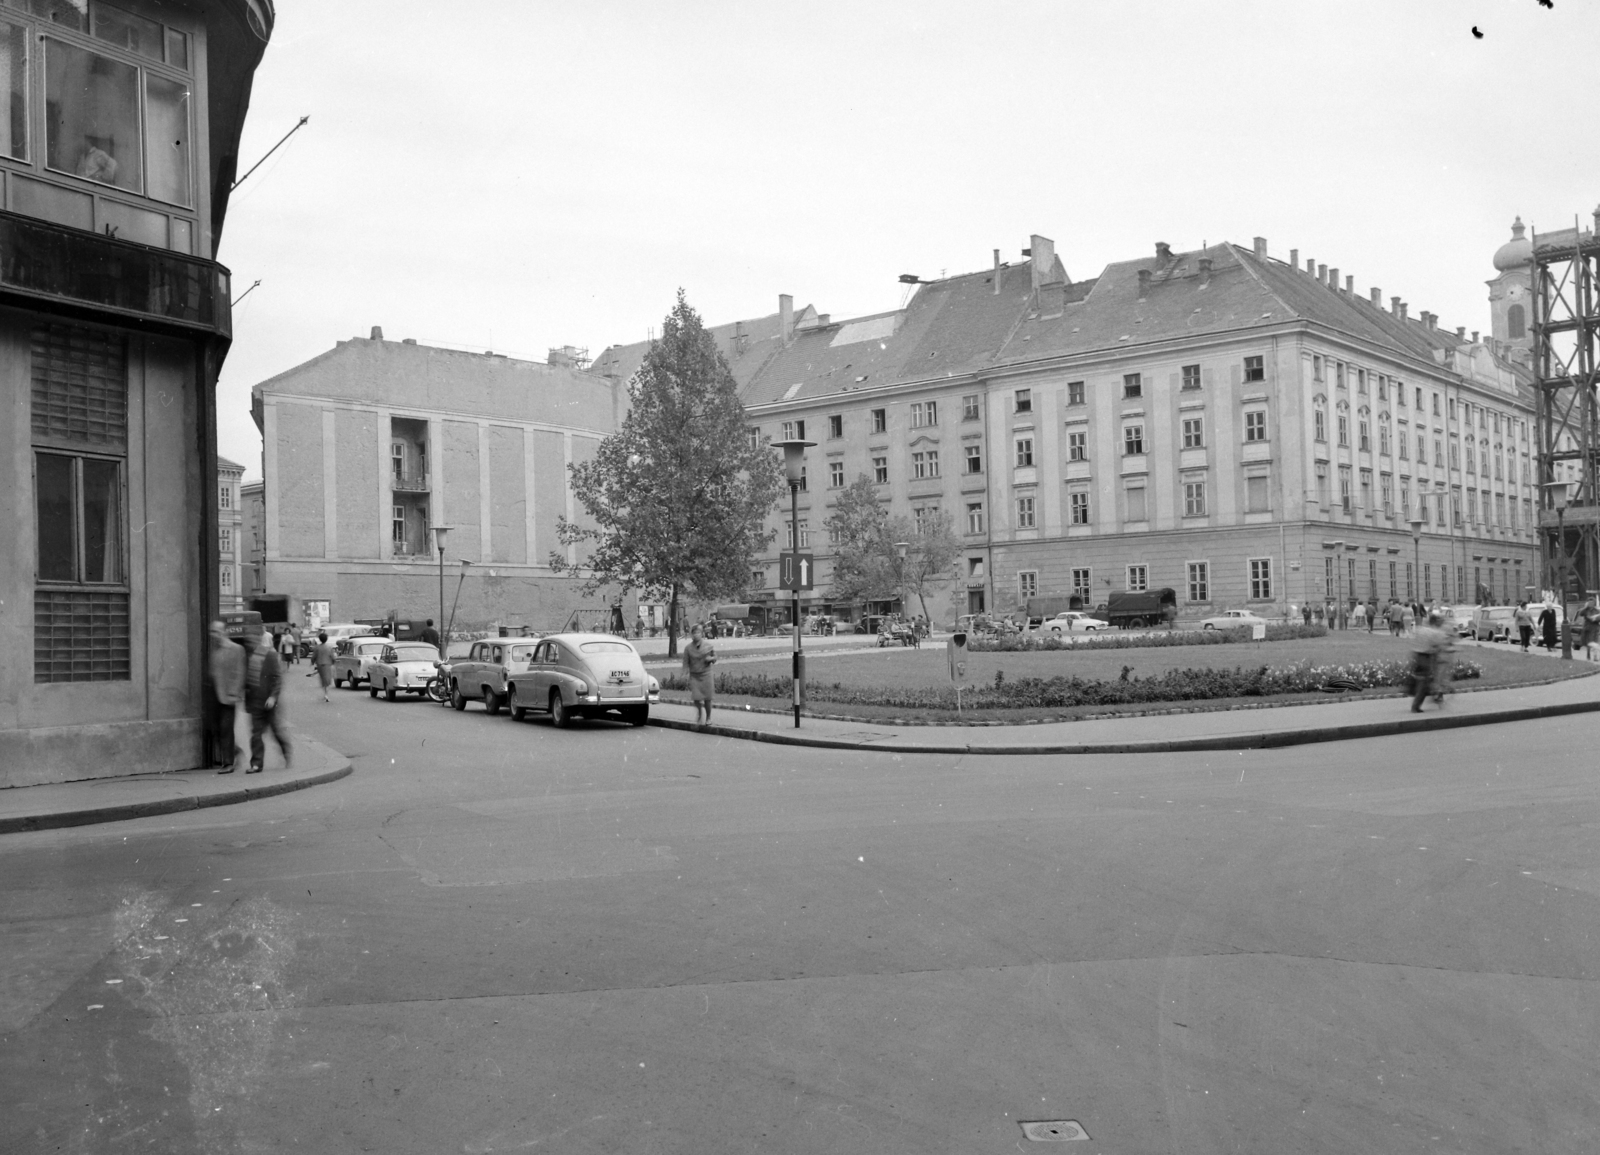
(1042, 640)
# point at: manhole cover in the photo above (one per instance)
(1054, 1131)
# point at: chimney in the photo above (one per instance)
(1461, 332)
(997, 272)
(1349, 286)
(1403, 311)
(1205, 271)
(1042, 261)
(1377, 297)
(1144, 283)
(1311, 266)
(1261, 248)
(1163, 252)
(1322, 273)
(408, 341)
(1474, 336)
(1294, 258)
(1394, 305)
(1431, 320)
(786, 316)
(1333, 279)
(377, 332)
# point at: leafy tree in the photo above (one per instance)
(678, 496)
(864, 564)
(931, 554)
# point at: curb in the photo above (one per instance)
(122, 811)
(1257, 741)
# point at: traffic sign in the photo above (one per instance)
(796, 571)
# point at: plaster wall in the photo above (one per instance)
(301, 512)
(508, 501)
(550, 492)
(462, 490)
(356, 433)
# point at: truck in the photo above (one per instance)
(1042, 609)
(1136, 609)
(277, 610)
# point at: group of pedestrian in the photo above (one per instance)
(252, 675)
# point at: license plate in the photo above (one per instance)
(620, 677)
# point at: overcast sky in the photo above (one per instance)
(514, 175)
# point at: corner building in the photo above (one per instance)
(1248, 431)
(118, 147)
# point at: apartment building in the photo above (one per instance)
(230, 535)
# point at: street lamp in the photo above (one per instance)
(465, 566)
(794, 454)
(1416, 553)
(1338, 585)
(900, 548)
(1558, 500)
(439, 532)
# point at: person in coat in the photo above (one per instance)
(263, 683)
(1589, 623)
(322, 658)
(1547, 627)
(698, 658)
(1430, 666)
(1524, 622)
(227, 682)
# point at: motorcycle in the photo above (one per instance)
(436, 688)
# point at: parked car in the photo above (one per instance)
(353, 658)
(489, 667)
(1458, 619)
(407, 666)
(1231, 619)
(1075, 622)
(582, 675)
(1494, 623)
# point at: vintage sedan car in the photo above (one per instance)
(1074, 622)
(407, 666)
(489, 667)
(1232, 620)
(584, 675)
(1495, 623)
(353, 658)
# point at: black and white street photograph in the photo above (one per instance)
(733, 579)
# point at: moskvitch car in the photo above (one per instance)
(486, 672)
(584, 676)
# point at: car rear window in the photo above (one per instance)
(416, 653)
(606, 648)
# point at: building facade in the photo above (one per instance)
(253, 558)
(1248, 431)
(230, 535)
(370, 446)
(118, 146)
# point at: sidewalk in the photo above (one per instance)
(115, 799)
(1255, 728)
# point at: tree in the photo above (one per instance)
(864, 565)
(678, 496)
(932, 550)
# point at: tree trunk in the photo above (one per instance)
(672, 623)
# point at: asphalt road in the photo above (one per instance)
(496, 936)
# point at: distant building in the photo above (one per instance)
(253, 557)
(119, 134)
(230, 535)
(1247, 431)
(369, 446)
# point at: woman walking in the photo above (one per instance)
(322, 659)
(1547, 628)
(698, 658)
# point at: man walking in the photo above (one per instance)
(1524, 622)
(263, 684)
(1428, 666)
(431, 636)
(227, 681)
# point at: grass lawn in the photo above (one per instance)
(903, 668)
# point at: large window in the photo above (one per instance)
(79, 408)
(1138, 578)
(1261, 579)
(14, 91)
(1024, 452)
(880, 470)
(1082, 587)
(969, 407)
(1078, 503)
(1194, 499)
(1255, 425)
(1077, 446)
(1194, 432)
(1199, 581)
(1025, 513)
(974, 517)
(925, 463)
(1132, 440)
(1028, 584)
(836, 474)
(924, 413)
(974, 458)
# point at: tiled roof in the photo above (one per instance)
(746, 345)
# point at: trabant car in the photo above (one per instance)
(407, 666)
(353, 658)
(584, 675)
(1074, 622)
(486, 671)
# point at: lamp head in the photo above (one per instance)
(1558, 494)
(794, 452)
(900, 548)
(439, 532)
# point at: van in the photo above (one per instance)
(1494, 623)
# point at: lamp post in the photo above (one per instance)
(900, 548)
(465, 566)
(794, 454)
(1416, 553)
(1558, 499)
(439, 532)
(1338, 585)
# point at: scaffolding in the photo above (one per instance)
(1566, 333)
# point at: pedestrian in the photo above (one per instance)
(1524, 623)
(1589, 623)
(227, 681)
(698, 658)
(430, 635)
(263, 685)
(1359, 614)
(1305, 613)
(638, 626)
(322, 659)
(1408, 620)
(1547, 627)
(286, 645)
(1429, 664)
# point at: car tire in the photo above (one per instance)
(518, 713)
(559, 714)
(491, 701)
(388, 691)
(372, 691)
(457, 700)
(1136, 624)
(1208, 626)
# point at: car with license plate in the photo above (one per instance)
(487, 670)
(403, 667)
(1232, 620)
(1074, 622)
(353, 658)
(583, 676)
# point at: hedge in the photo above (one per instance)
(1039, 640)
(1059, 692)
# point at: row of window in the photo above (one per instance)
(1344, 585)
(1504, 507)
(1258, 574)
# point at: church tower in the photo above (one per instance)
(1510, 293)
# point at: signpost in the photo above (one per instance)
(956, 651)
(795, 572)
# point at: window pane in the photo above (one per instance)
(91, 115)
(14, 91)
(58, 554)
(125, 30)
(102, 521)
(67, 13)
(166, 127)
(178, 49)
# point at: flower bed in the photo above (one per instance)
(1186, 685)
(1040, 640)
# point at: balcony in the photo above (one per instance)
(410, 481)
(51, 263)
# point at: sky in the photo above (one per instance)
(516, 175)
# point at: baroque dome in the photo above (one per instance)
(1516, 252)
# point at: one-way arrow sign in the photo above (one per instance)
(796, 571)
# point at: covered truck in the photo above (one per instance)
(1135, 610)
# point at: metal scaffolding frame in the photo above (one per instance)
(1566, 361)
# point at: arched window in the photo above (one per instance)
(1515, 325)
